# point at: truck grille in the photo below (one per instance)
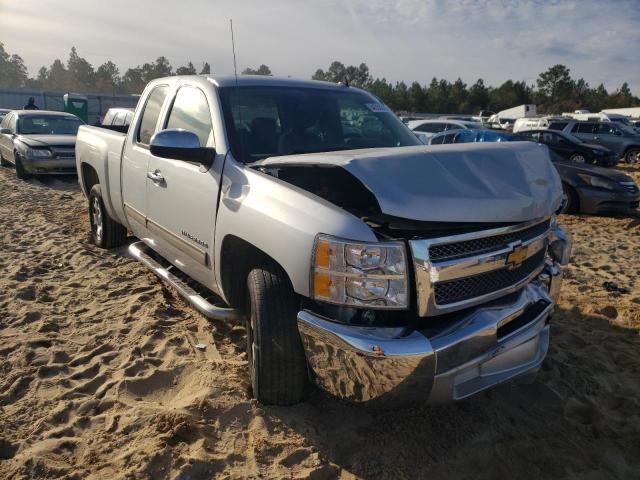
(479, 285)
(465, 270)
(478, 246)
(64, 152)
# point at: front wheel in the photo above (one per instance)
(105, 232)
(570, 199)
(632, 156)
(277, 364)
(21, 173)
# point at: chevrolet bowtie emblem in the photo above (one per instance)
(517, 256)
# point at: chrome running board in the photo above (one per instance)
(138, 250)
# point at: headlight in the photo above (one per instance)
(599, 182)
(371, 275)
(38, 152)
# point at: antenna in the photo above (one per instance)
(233, 47)
(235, 71)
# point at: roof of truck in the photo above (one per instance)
(258, 80)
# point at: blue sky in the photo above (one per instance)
(400, 40)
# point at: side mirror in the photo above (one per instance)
(6, 131)
(179, 144)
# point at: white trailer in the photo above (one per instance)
(633, 112)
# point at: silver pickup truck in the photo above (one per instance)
(383, 270)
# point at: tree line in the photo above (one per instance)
(554, 91)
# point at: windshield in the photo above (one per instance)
(272, 121)
(48, 125)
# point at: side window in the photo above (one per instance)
(605, 128)
(557, 125)
(431, 127)
(583, 128)
(108, 118)
(151, 114)
(549, 138)
(437, 140)
(191, 112)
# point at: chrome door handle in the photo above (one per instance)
(155, 176)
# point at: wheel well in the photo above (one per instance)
(629, 148)
(237, 258)
(573, 191)
(89, 177)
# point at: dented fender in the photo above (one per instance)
(280, 219)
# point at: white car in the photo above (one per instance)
(425, 129)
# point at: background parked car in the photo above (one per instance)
(470, 136)
(592, 189)
(425, 129)
(38, 141)
(624, 141)
(533, 123)
(572, 148)
(587, 188)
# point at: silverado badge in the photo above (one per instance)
(517, 256)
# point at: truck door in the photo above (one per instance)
(182, 196)
(135, 162)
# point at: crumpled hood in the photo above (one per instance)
(48, 140)
(474, 182)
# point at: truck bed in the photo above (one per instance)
(100, 149)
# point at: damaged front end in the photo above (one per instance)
(457, 294)
(468, 329)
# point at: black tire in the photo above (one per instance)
(105, 232)
(21, 173)
(632, 155)
(572, 204)
(277, 364)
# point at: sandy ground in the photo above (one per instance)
(99, 377)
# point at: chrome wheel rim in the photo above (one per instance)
(633, 157)
(578, 158)
(96, 218)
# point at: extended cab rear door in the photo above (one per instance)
(182, 200)
(136, 157)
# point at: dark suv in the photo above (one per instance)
(572, 148)
(621, 139)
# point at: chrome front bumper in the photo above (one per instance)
(494, 343)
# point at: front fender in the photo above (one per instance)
(280, 219)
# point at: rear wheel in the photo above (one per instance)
(632, 155)
(277, 364)
(105, 232)
(571, 200)
(21, 173)
(578, 158)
